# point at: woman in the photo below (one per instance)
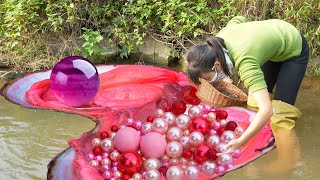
(263, 53)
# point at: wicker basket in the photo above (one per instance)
(210, 94)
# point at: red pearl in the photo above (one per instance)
(97, 150)
(150, 119)
(167, 109)
(200, 125)
(212, 154)
(104, 135)
(187, 154)
(221, 114)
(114, 128)
(199, 154)
(178, 107)
(130, 163)
(220, 131)
(231, 125)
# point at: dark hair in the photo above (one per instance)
(201, 58)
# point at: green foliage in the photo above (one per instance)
(91, 27)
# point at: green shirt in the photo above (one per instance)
(250, 44)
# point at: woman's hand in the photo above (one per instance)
(233, 145)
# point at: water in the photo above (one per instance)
(30, 138)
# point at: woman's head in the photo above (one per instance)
(202, 58)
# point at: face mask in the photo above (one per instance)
(218, 76)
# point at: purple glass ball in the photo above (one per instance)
(74, 81)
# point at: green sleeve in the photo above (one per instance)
(237, 20)
(251, 74)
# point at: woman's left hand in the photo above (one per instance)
(233, 145)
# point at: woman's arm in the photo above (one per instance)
(261, 118)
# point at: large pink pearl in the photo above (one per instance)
(196, 138)
(194, 112)
(228, 135)
(170, 118)
(213, 141)
(153, 145)
(127, 140)
(174, 173)
(225, 159)
(183, 121)
(146, 128)
(174, 134)
(159, 125)
(174, 149)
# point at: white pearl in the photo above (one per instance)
(211, 117)
(192, 172)
(223, 122)
(159, 125)
(146, 128)
(209, 167)
(228, 135)
(213, 141)
(107, 144)
(174, 149)
(106, 161)
(152, 174)
(114, 156)
(96, 142)
(170, 118)
(159, 113)
(174, 134)
(196, 138)
(174, 173)
(117, 174)
(94, 163)
(225, 159)
(184, 141)
(194, 112)
(239, 131)
(151, 163)
(183, 121)
(137, 176)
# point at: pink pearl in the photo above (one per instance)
(174, 149)
(106, 167)
(114, 169)
(220, 170)
(223, 123)
(127, 140)
(229, 166)
(166, 164)
(212, 132)
(122, 126)
(206, 109)
(216, 125)
(211, 117)
(146, 128)
(159, 125)
(96, 142)
(98, 158)
(204, 116)
(137, 125)
(115, 164)
(196, 138)
(194, 112)
(129, 122)
(228, 135)
(236, 154)
(153, 145)
(105, 155)
(184, 141)
(107, 174)
(239, 130)
(159, 113)
(90, 156)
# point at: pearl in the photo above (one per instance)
(159, 113)
(191, 163)
(94, 163)
(225, 159)
(170, 118)
(184, 161)
(239, 131)
(213, 141)
(96, 142)
(107, 174)
(220, 170)
(129, 122)
(159, 125)
(90, 156)
(114, 156)
(165, 158)
(106, 161)
(146, 128)
(211, 117)
(105, 155)
(174, 173)
(196, 138)
(117, 175)
(206, 109)
(221, 147)
(137, 125)
(106, 167)
(186, 132)
(184, 141)
(151, 163)
(236, 154)
(209, 167)
(183, 121)
(223, 122)
(216, 126)
(174, 134)
(107, 144)
(137, 176)
(194, 112)
(152, 174)
(192, 172)
(98, 158)
(174, 161)
(112, 135)
(174, 149)
(228, 135)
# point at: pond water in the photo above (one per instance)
(30, 138)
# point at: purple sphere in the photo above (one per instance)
(74, 81)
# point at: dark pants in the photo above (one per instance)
(287, 75)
